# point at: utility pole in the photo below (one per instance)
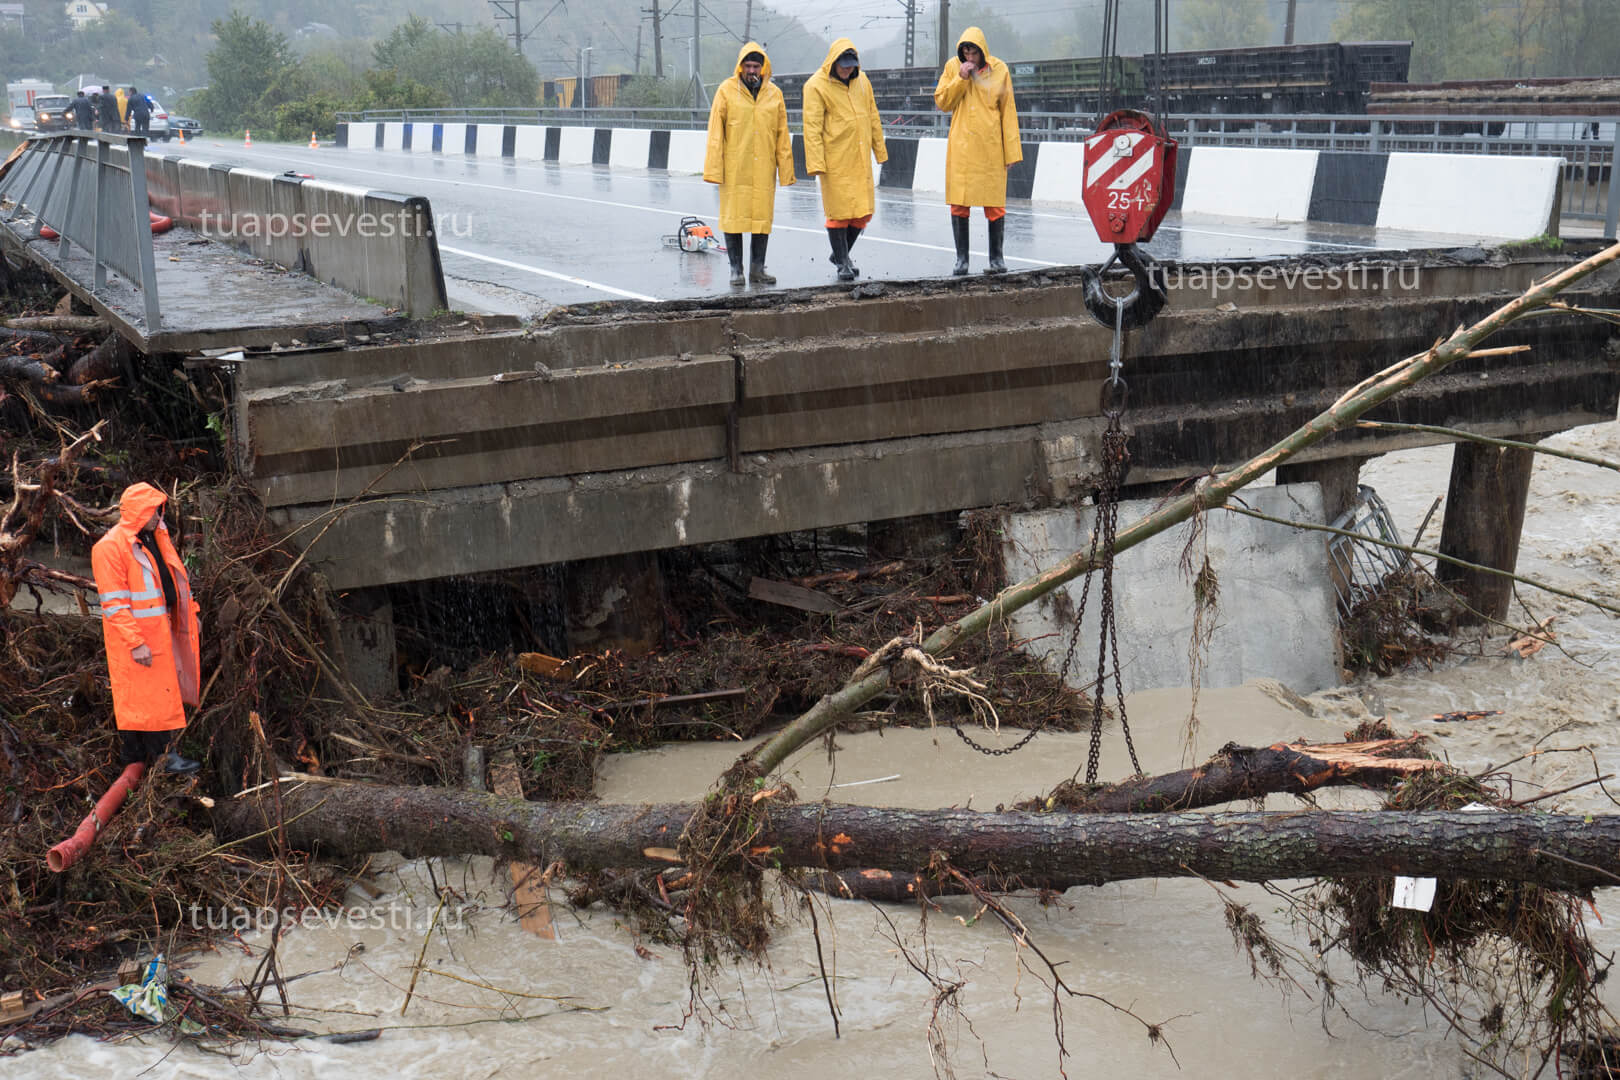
(697, 57)
(639, 28)
(748, 21)
(911, 33)
(512, 11)
(1288, 23)
(658, 42)
(944, 32)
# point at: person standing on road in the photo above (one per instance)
(84, 114)
(976, 89)
(109, 112)
(749, 152)
(843, 134)
(140, 112)
(149, 622)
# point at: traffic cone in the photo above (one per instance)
(248, 139)
(182, 136)
(313, 144)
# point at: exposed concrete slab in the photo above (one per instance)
(1275, 617)
(206, 289)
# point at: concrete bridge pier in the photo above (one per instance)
(615, 602)
(367, 642)
(1338, 478)
(1485, 506)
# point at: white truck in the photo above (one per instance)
(20, 102)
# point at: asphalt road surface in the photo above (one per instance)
(522, 237)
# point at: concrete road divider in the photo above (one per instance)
(377, 244)
(1488, 194)
(1250, 182)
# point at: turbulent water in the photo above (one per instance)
(493, 1000)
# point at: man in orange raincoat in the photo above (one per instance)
(149, 622)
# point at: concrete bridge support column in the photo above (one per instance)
(1484, 516)
(366, 637)
(914, 537)
(1338, 477)
(616, 602)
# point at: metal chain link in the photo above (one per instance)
(1116, 462)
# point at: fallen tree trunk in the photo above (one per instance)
(1053, 850)
(61, 324)
(1238, 773)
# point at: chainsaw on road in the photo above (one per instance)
(694, 236)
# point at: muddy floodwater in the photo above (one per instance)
(492, 1000)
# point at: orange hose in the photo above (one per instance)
(160, 224)
(69, 851)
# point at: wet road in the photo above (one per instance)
(521, 237)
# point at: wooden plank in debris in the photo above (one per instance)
(780, 592)
(550, 667)
(528, 892)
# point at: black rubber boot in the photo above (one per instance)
(734, 253)
(757, 243)
(959, 231)
(852, 233)
(998, 232)
(840, 254)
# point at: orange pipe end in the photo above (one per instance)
(69, 851)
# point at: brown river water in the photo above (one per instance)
(486, 1001)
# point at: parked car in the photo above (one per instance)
(53, 112)
(160, 121)
(177, 124)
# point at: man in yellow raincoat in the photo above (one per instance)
(150, 624)
(749, 150)
(843, 134)
(976, 89)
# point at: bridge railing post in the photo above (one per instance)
(1611, 223)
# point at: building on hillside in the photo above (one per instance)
(84, 12)
(11, 15)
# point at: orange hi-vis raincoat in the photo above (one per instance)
(843, 135)
(750, 148)
(984, 127)
(134, 612)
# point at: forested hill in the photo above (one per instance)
(166, 42)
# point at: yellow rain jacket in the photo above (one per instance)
(984, 127)
(749, 149)
(843, 133)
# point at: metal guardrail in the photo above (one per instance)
(80, 186)
(1362, 562)
(1590, 146)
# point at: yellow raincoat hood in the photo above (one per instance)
(984, 127)
(749, 148)
(843, 136)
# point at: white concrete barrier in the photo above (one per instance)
(930, 173)
(530, 144)
(1471, 194)
(576, 145)
(490, 138)
(393, 135)
(1059, 173)
(1249, 182)
(363, 136)
(454, 140)
(687, 150)
(629, 148)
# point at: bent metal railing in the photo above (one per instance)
(90, 189)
